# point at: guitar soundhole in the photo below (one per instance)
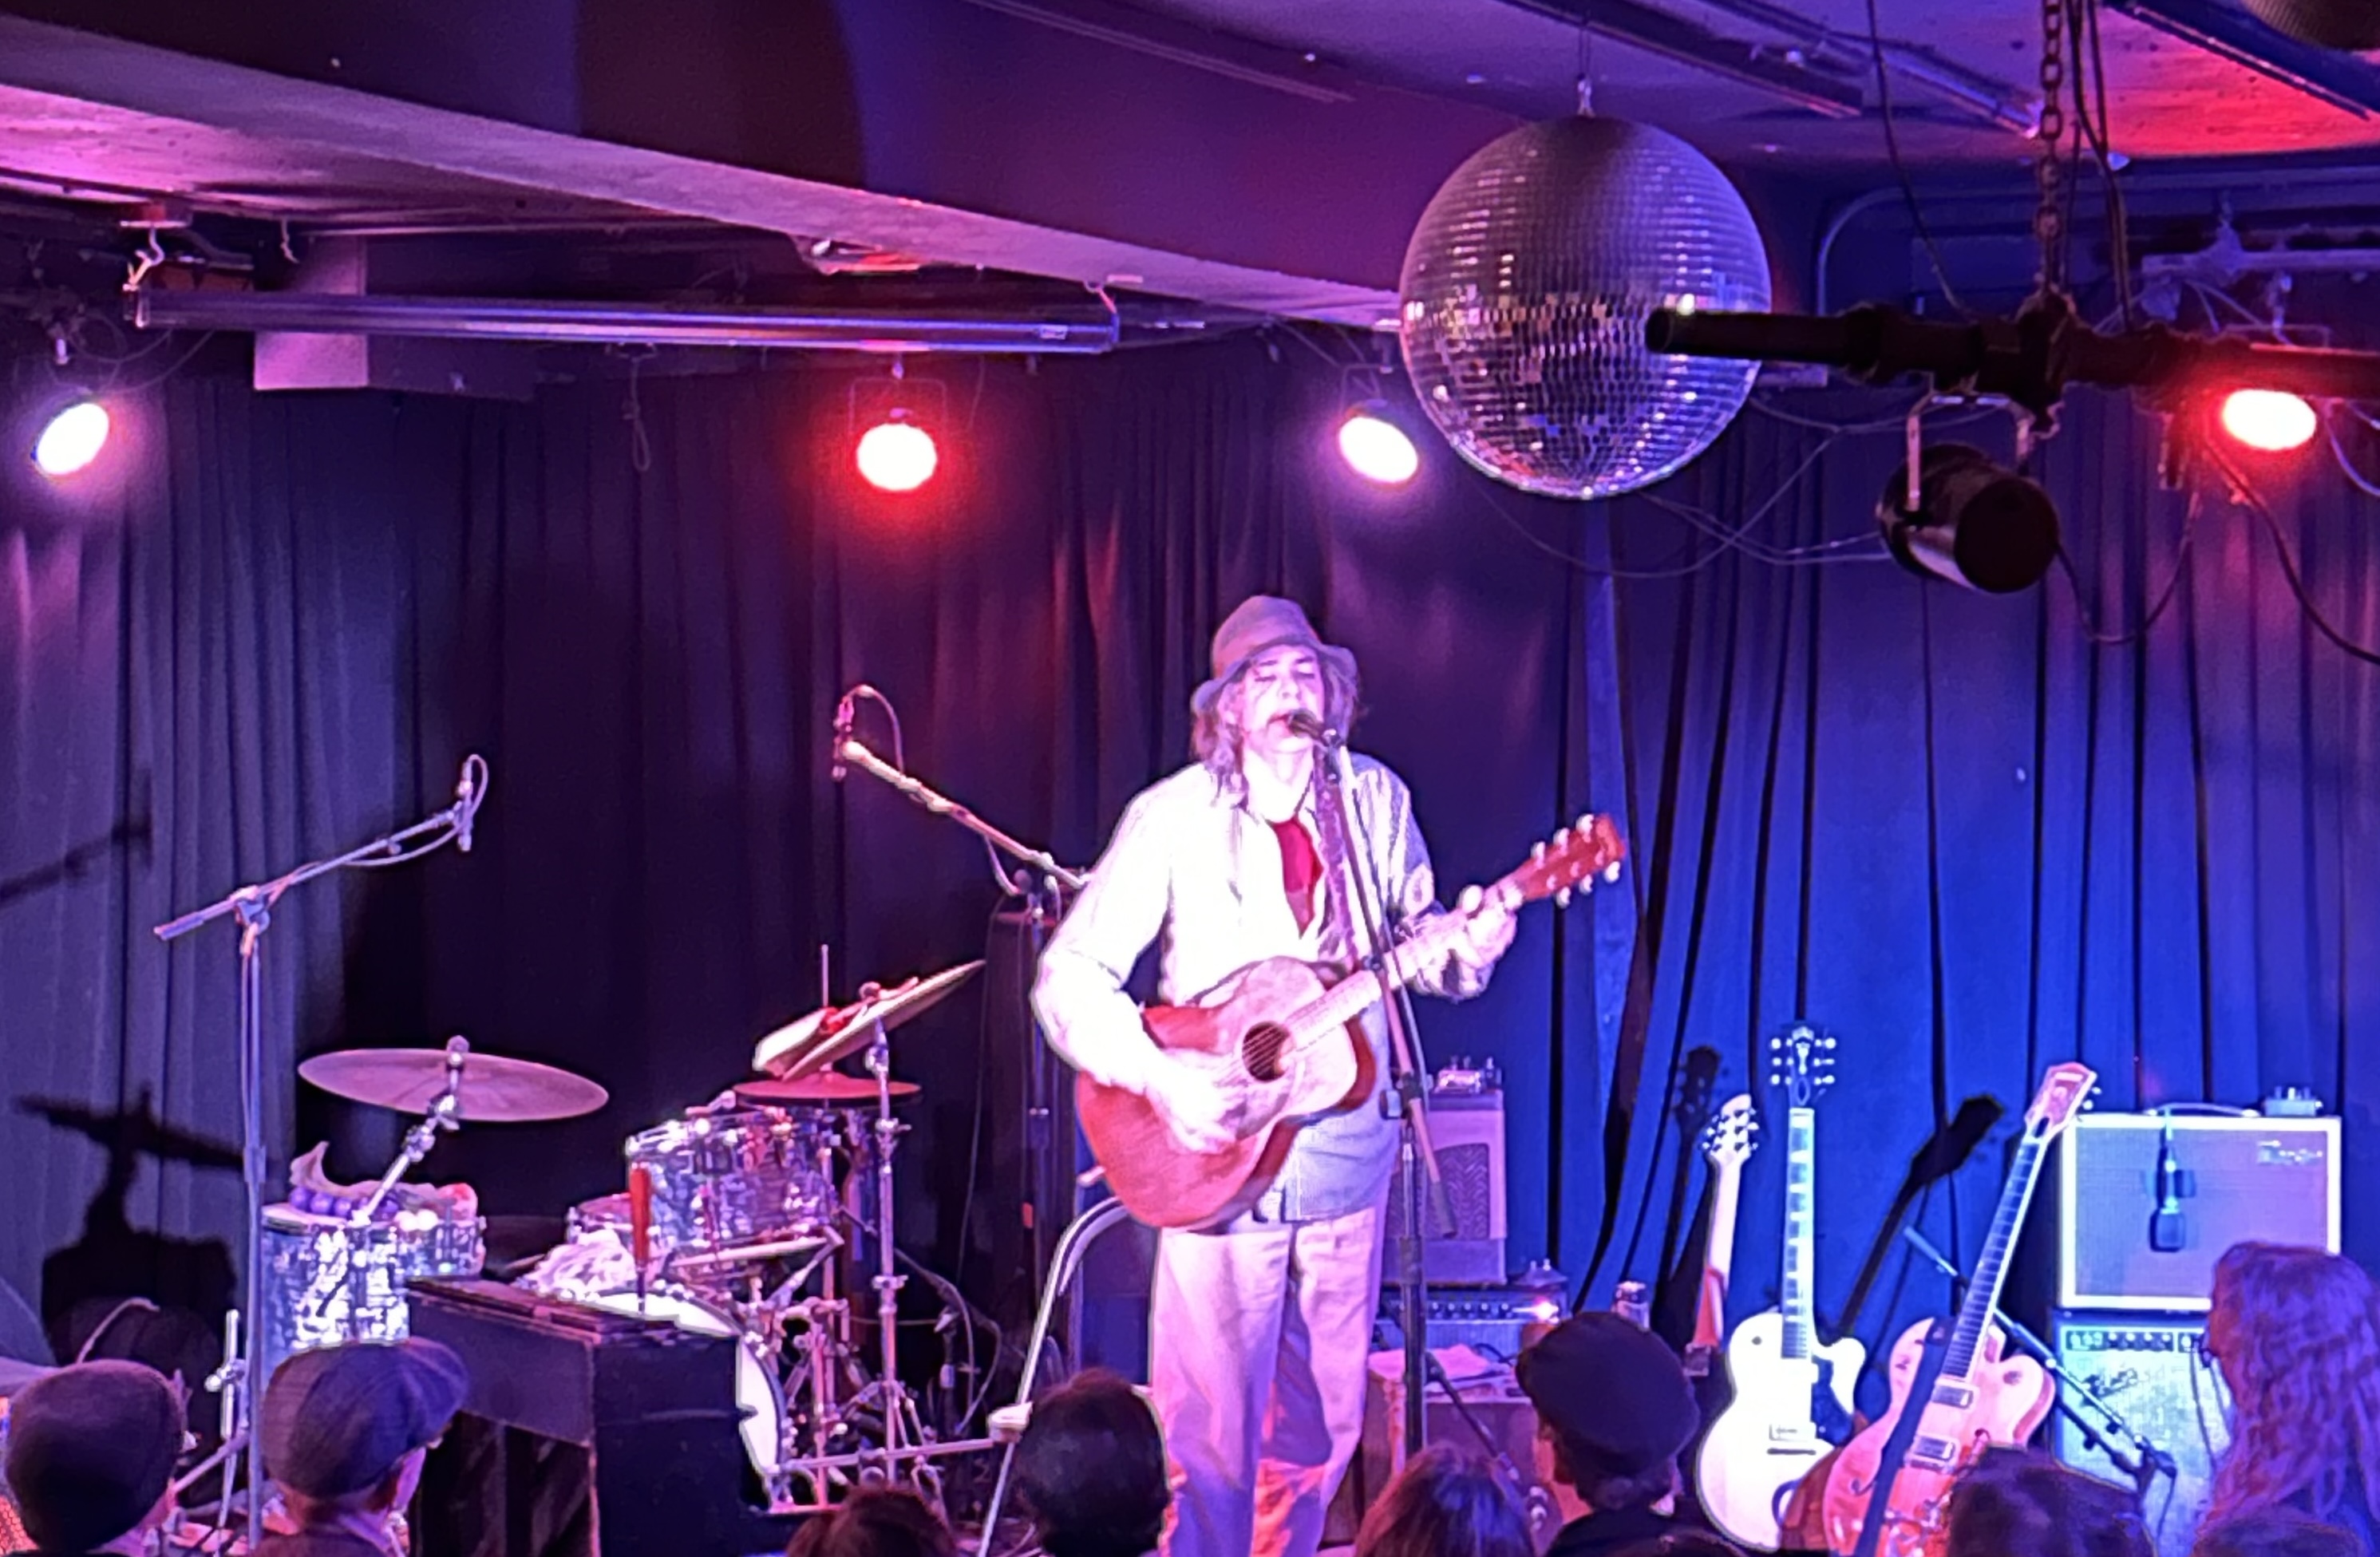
(1262, 1049)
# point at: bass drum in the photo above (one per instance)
(759, 1399)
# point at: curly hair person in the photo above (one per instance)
(2293, 1331)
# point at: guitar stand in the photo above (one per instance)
(1904, 1432)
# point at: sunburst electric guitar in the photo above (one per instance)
(1982, 1396)
(1285, 1043)
(1792, 1392)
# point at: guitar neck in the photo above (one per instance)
(1795, 1299)
(1350, 997)
(1718, 1256)
(1991, 1266)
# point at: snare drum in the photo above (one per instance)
(758, 1398)
(327, 1280)
(736, 1175)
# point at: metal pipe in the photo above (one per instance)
(1080, 331)
(1993, 101)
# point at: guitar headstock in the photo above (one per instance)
(2065, 1089)
(1801, 1063)
(1733, 1134)
(1572, 861)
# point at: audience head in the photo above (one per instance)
(876, 1522)
(1443, 1505)
(345, 1430)
(2276, 1532)
(1614, 1403)
(2016, 1503)
(90, 1450)
(1091, 1470)
(2294, 1333)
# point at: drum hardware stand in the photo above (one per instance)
(252, 906)
(421, 1136)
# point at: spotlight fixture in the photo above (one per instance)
(2269, 420)
(1375, 447)
(896, 455)
(1974, 524)
(71, 439)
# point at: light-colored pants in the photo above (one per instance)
(1258, 1339)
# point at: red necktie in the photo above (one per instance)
(1301, 869)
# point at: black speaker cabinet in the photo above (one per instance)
(2274, 1179)
(2146, 1368)
(1466, 1126)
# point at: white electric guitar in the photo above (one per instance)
(1792, 1399)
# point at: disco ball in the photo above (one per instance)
(1525, 291)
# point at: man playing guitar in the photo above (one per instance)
(1259, 1326)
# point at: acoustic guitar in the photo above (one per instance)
(1285, 1041)
(1792, 1397)
(1982, 1396)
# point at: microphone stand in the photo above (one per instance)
(2144, 1465)
(1416, 1158)
(1044, 892)
(252, 906)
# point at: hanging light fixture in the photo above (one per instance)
(71, 439)
(2269, 420)
(894, 420)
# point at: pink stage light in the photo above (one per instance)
(898, 455)
(2269, 420)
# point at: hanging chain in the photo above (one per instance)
(2048, 216)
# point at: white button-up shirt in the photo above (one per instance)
(1192, 865)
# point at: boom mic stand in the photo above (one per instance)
(2144, 1465)
(252, 906)
(1417, 1159)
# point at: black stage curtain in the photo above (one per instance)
(1946, 828)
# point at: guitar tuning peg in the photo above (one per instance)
(1537, 851)
(1562, 898)
(1611, 871)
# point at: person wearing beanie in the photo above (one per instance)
(1259, 1326)
(1616, 1408)
(91, 1451)
(345, 1431)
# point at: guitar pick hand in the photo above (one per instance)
(1192, 1103)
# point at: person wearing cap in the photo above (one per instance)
(1615, 1408)
(91, 1450)
(1258, 1328)
(345, 1431)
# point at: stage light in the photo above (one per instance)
(896, 455)
(71, 440)
(2269, 420)
(1975, 524)
(1375, 447)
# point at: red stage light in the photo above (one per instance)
(2269, 420)
(898, 455)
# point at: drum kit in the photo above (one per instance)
(744, 1218)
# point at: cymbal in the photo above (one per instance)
(825, 1087)
(492, 1089)
(810, 1043)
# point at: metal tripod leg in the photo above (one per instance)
(1065, 1261)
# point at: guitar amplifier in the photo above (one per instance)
(1466, 1126)
(1490, 1320)
(2147, 1369)
(2234, 1179)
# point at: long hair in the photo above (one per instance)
(1443, 1505)
(1216, 736)
(2294, 1333)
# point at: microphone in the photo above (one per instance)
(836, 769)
(2165, 1225)
(1303, 724)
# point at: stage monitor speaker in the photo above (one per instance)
(2125, 1243)
(2146, 1368)
(1466, 1126)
